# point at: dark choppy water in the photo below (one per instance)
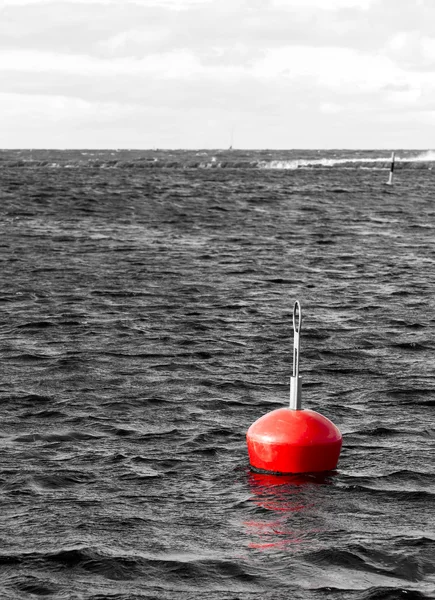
(146, 323)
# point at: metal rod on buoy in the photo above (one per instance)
(293, 440)
(295, 380)
(390, 180)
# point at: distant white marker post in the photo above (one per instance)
(390, 180)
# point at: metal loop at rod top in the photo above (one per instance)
(297, 326)
(296, 342)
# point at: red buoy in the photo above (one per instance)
(293, 440)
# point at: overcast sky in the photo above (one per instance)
(203, 73)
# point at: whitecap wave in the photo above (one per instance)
(322, 162)
(427, 156)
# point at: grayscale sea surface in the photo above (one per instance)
(146, 321)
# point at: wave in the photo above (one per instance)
(119, 566)
(362, 162)
(427, 156)
(423, 160)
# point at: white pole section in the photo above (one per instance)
(295, 380)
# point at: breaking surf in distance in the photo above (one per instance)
(217, 159)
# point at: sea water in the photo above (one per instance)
(146, 321)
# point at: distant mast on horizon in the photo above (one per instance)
(231, 139)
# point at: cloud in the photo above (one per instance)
(57, 108)
(128, 42)
(329, 67)
(201, 64)
(330, 108)
(177, 64)
(342, 70)
(167, 4)
(137, 26)
(325, 5)
(412, 50)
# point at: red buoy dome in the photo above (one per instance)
(293, 441)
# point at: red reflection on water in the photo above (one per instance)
(288, 509)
